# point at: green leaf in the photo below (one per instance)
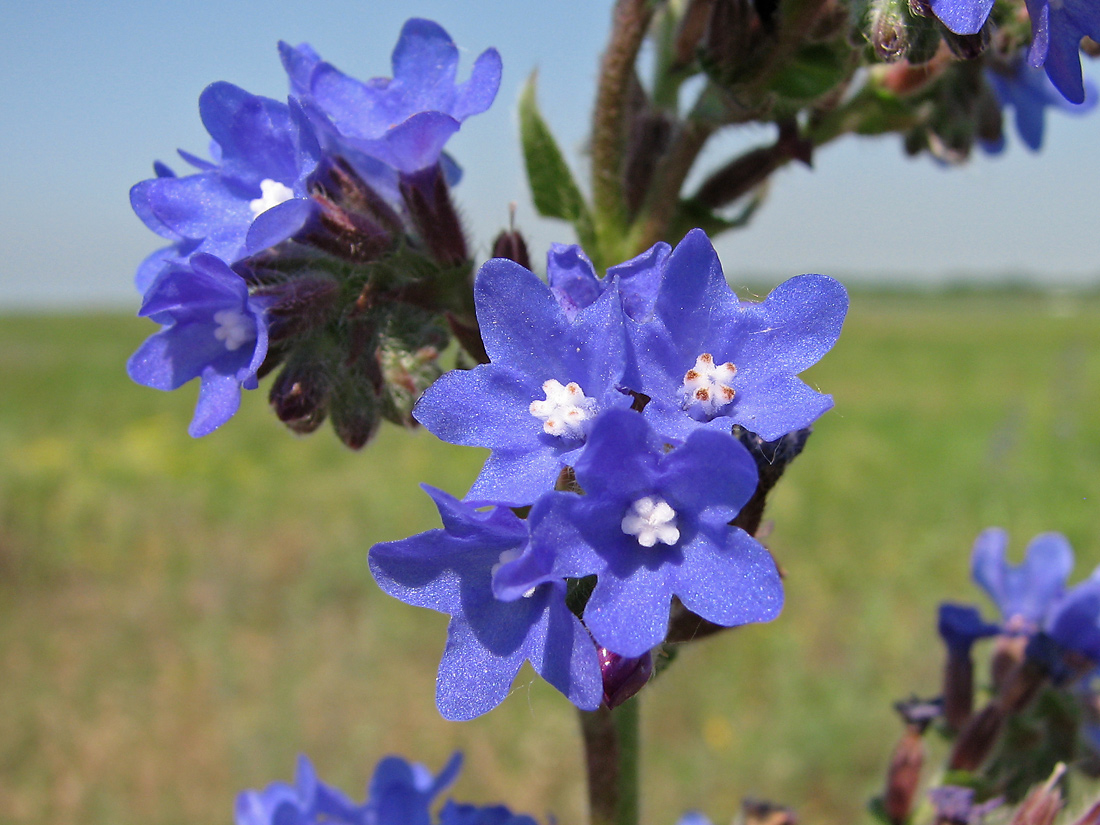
(555, 192)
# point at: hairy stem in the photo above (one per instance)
(609, 133)
(611, 749)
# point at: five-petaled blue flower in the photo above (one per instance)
(251, 197)
(652, 525)
(213, 330)
(451, 570)
(706, 359)
(404, 121)
(552, 372)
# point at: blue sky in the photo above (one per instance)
(96, 92)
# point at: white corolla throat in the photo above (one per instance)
(566, 412)
(707, 385)
(650, 519)
(234, 328)
(272, 193)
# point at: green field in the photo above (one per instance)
(180, 618)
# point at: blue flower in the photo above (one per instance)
(1074, 620)
(962, 16)
(400, 793)
(305, 802)
(488, 639)
(454, 813)
(706, 359)
(652, 525)
(1024, 593)
(252, 196)
(550, 376)
(1057, 27)
(574, 282)
(404, 121)
(213, 331)
(1028, 91)
(955, 805)
(961, 625)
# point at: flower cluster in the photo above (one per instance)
(399, 793)
(308, 238)
(608, 406)
(1060, 625)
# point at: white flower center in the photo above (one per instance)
(651, 520)
(272, 193)
(235, 329)
(566, 411)
(707, 385)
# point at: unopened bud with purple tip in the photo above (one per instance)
(623, 676)
(510, 244)
(907, 761)
(960, 626)
(428, 200)
(300, 394)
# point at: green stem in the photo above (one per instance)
(611, 749)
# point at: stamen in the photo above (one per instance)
(708, 386)
(234, 328)
(651, 520)
(566, 412)
(272, 193)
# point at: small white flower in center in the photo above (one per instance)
(708, 385)
(566, 410)
(651, 520)
(234, 328)
(272, 194)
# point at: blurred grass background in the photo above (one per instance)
(179, 618)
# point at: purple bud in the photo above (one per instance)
(300, 395)
(300, 305)
(433, 215)
(510, 244)
(966, 46)
(622, 676)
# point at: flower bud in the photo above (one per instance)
(510, 244)
(976, 740)
(300, 305)
(693, 25)
(428, 199)
(897, 30)
(966, 46)
(300, 394)
(903, 775)
(355, 419)
(623, 677)
(772, 458)
(888, 33)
